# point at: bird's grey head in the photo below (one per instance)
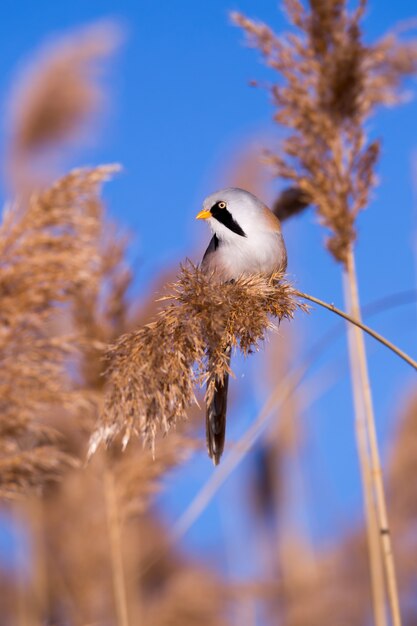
(234, 212)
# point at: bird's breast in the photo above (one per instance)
(263, 253)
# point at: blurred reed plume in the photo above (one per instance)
(57, 98)
(48, 251)
(152, 372)
(330, 83)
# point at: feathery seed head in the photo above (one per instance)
(152, 371)
(330, 82)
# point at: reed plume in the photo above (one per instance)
(330, 84)
(54, 102)
(152, 371)
(48, 256)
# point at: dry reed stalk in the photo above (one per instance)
(116, 553)
(374, 546)
(39, 579)
(22, 613)
(78, 549)
(374, 462)
(23, 609)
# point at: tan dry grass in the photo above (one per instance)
(55, 101)
(48, 251)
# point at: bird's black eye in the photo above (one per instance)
(221, 205)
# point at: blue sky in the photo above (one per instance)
(181, 111)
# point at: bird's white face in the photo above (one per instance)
(234, 212)
(248, 234)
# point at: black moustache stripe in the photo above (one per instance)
(224, 217)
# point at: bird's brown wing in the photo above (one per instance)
(216, 416)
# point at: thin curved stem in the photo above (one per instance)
(388, 344)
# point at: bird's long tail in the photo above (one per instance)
(216, 415)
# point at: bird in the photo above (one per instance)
(247, 240)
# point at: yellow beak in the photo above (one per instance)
(203, 215)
